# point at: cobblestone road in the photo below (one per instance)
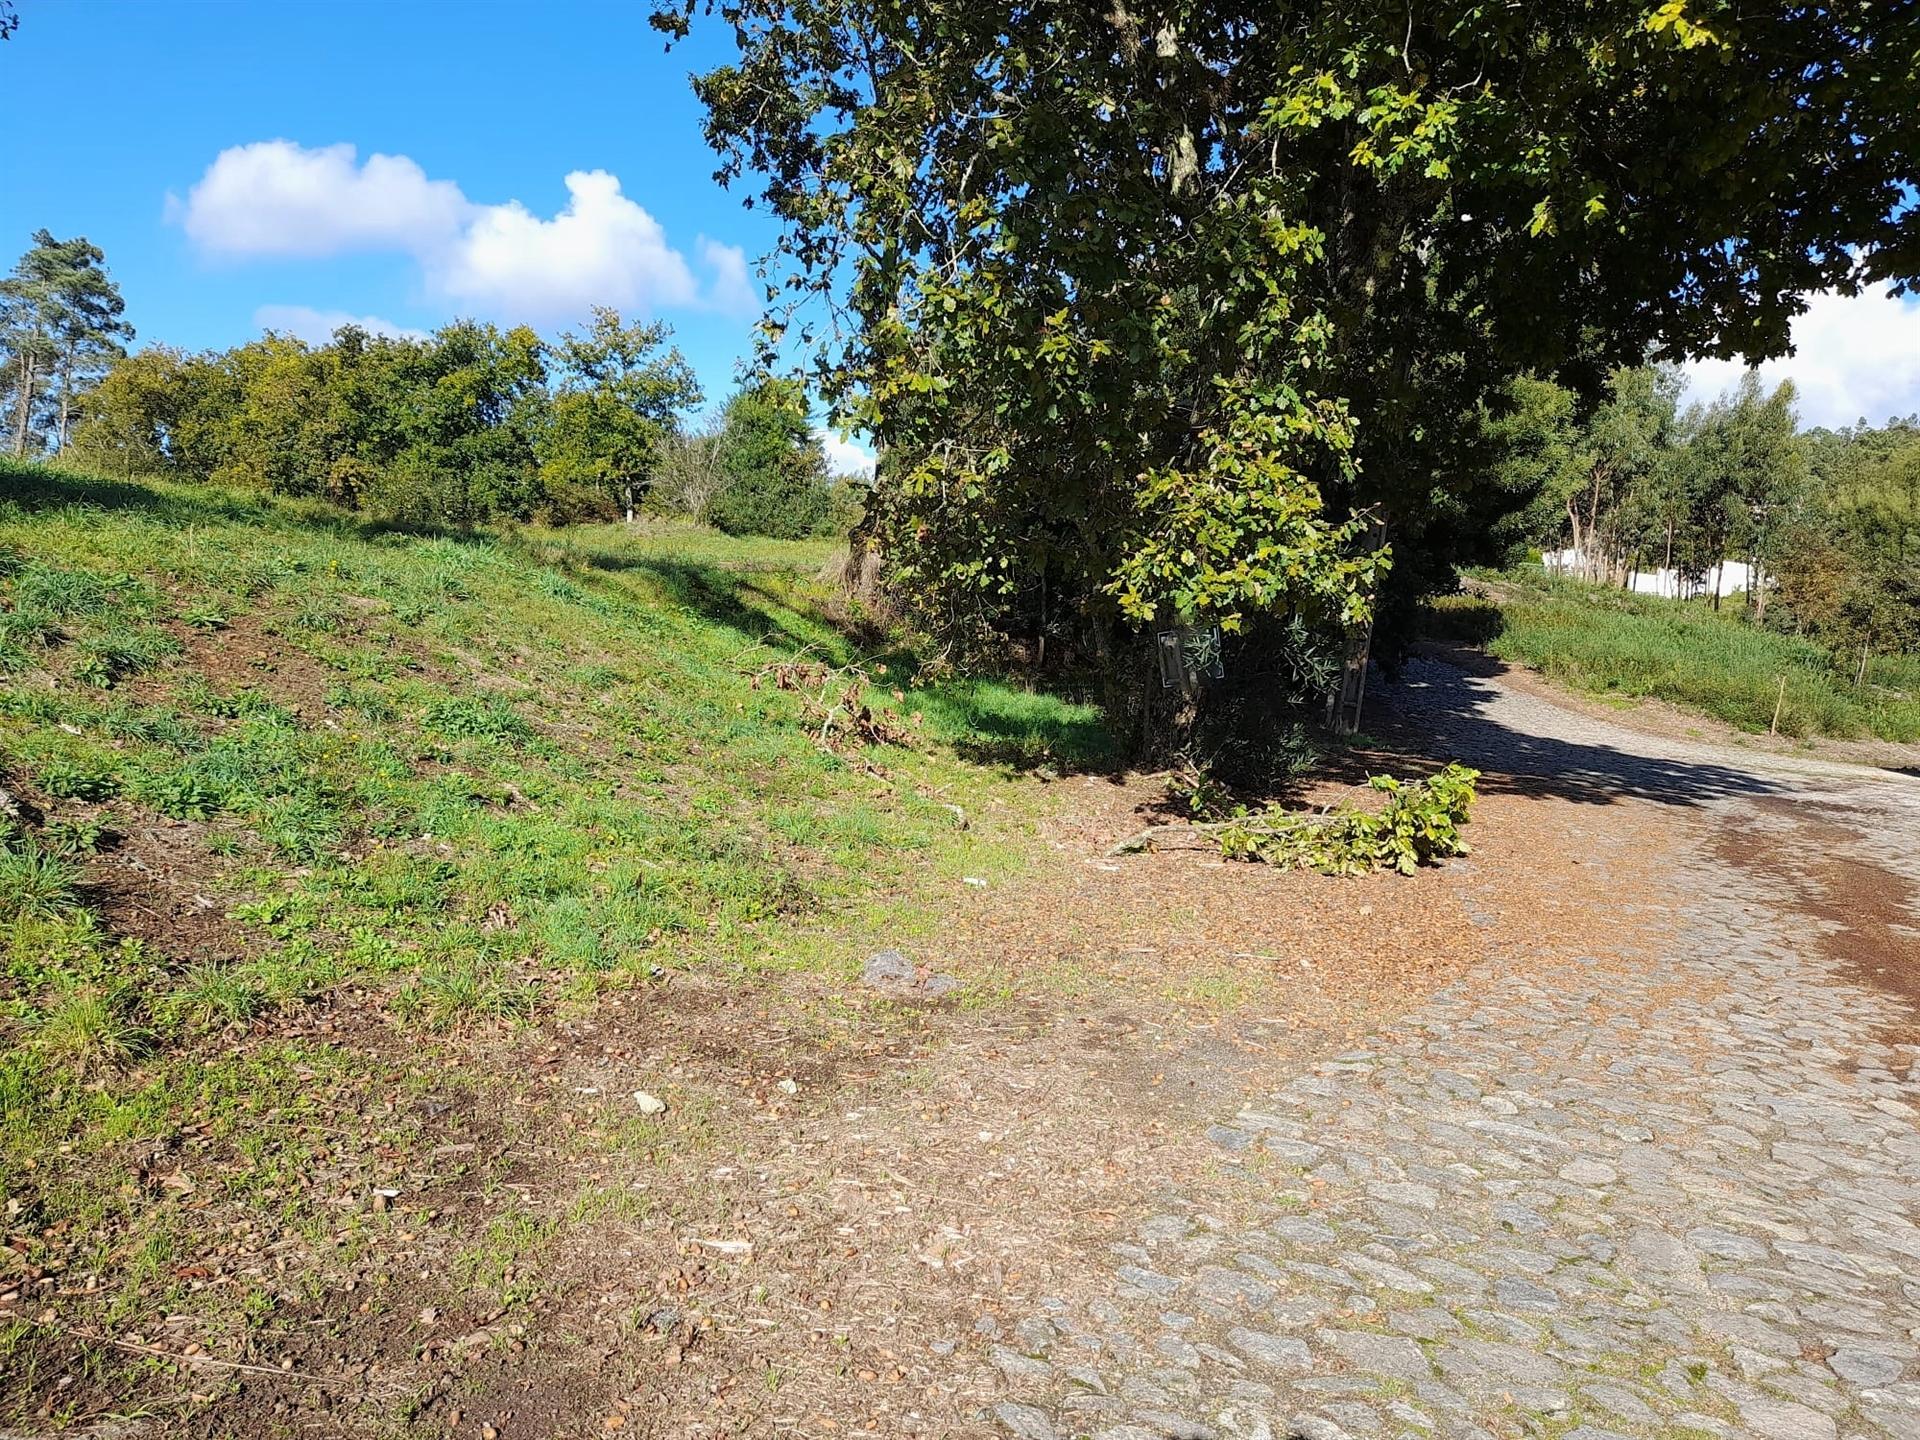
(1677, 1197)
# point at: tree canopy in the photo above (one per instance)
(617, 402)
(1156, 309)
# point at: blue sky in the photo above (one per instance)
(535, 158)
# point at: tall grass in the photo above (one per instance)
(1603, 641)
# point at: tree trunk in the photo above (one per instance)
(1719, 574)
(66, 410)
(626, 487)
(23, 403)
(1593, 526)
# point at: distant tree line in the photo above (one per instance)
(471, 423)
(1828, 521)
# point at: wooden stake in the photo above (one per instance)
(1781, 699)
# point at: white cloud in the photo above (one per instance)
(316, 327)
(731, 289)
(602, 249)
(275, 198)
(1852, 358)
(845, 457)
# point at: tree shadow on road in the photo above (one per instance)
(1442, 710)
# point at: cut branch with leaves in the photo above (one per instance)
(1419, 824)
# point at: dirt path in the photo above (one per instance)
(1649, 1170)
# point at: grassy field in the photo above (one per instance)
(276, 778)
(1602, 641)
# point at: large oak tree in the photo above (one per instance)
(1167, 313)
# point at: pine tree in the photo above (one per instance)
(60, 326)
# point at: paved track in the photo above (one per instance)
(1675, 1197)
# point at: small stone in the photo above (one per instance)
(1389, 1355)
(1315, 1427)
(1661, 1253)
(1517, 1294)
(1588, 1172)
(1172, 1347)
(1865, 1367)
(1035, 1335)
(888, 970)
(1291, 1152)
(1519, 1218)
(1303, 1231)
(1015, 1366)
(1783, 1420)
(1280, 1352)
(1024, 1421)
(1622, 1402)
(649, 1104)
(1153, 1284)
(1725, 1245)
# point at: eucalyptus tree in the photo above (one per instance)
(1188, 311)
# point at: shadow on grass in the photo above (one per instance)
(995, 722)
(1461, 620)
(35, 486)
(984, 719)
(988, 720)
(717, 595)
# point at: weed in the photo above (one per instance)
(78, 780)
(455, 993)
(205, 616)
(91, 1030)
(477, 719)
(35, 884)
(211, 997)
(74, 836)
(61, 593)
(113, 655)
(178, 793)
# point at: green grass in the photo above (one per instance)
(1603, 641)
(458, 780)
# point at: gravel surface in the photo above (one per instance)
(1669, 1191)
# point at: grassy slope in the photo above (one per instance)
(460, 780)
(1603, 641)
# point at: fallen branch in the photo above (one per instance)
(196, 1361)
(834, 700)
(1420, 823)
